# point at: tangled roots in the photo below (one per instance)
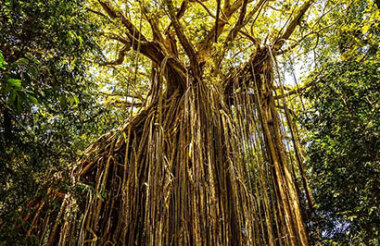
(188, 170)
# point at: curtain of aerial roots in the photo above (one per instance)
(192, 169)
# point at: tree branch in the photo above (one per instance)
(205, 8)
(256, 8)
(232, 34)
(292, 25)
(187, 46)
(112, 13)
(113, 94)
(180, 13)
(217, 20)
(238, 25)
(116, 37)
(280, 52)
(299, 90)
(123, 104)
(139, 42)
(120, 57)
(97, 12)
(216, 30)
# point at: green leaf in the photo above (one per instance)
(366, 28)
(76, 99)
(63, 101)
(22, 62)
(33, 71)
(32, 99)
(14, 82)
(12, 96)
(2, 61)
(29, 56)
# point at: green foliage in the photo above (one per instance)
(48, 106)
(343, 150)
(354, 32)
(343, 124)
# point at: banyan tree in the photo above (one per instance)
(210, 155)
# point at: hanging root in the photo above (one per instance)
(193, 168)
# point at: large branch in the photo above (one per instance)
(187, 46)
(243, 19)
(238, 25)
(123, 104)
(298, 90)
(182, 9)
(256, 8)
(217, 19)
(292, 25)
(180, 13)
(232, 34)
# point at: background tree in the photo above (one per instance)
(343, 123)
(49, 112)
(344, 150)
